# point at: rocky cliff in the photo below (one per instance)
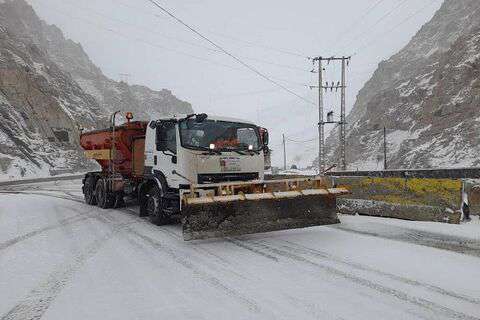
(49, 88)
(41, 108)
(427, 96)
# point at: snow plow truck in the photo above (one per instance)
(205, 171)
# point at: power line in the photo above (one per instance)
(239, 94)
(382, 18)
(252, 44)
(370, 9)
(259, 73)
(245, 42)
(395, 27)
(98, 26)
(176, 39)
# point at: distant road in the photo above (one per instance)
(37, 180)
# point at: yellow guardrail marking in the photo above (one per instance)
(410, 191)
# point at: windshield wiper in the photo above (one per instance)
(245, 148)
(210, 151)
(237, 151)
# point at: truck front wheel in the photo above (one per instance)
(154, 206)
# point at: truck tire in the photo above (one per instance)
(142, 199)
(155, 207)
(89, 186)
(105, 199)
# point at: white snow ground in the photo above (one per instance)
(62, 259)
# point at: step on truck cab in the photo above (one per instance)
(207, 172)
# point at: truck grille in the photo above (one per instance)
(226, 177)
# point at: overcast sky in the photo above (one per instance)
(134, 37)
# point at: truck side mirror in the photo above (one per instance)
(265, 137)
(201, 117)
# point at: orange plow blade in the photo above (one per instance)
(244, 208)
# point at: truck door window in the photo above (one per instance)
(171, 138)
(166, 137)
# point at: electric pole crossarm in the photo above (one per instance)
(330, 59)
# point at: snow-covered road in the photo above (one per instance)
(62, 259)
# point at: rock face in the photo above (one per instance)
(427, 96)
(49, 88)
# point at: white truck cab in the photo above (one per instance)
(201, 149)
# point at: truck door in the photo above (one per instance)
(165, 159)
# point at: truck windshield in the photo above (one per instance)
(223, 135)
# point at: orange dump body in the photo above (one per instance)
(129, 143)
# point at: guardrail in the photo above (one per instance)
(37, 180)
(456, 173)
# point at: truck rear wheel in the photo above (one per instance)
(105, 199)
(155, 205)
(89, 190)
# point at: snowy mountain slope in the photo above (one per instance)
(49, 88)
(70, 57)
(427, 96)
(41, 109)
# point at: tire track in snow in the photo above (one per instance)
(39, 299)
(243, 245)
(420, 302)
(45, 194)
(204, 276)
(253, 306)
(62, 223)
(326, 256)
(428, 239)
(81, 216)
(313, 309)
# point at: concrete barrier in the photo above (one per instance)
(419, 199)
(456, 173)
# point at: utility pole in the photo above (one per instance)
(384, 148)
(321, 123)
(343, 137)
(284, 153)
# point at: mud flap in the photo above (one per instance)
(221, 216)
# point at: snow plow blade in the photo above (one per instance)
(233, 209)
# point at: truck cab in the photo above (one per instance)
(200, 149)
(196, 151)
